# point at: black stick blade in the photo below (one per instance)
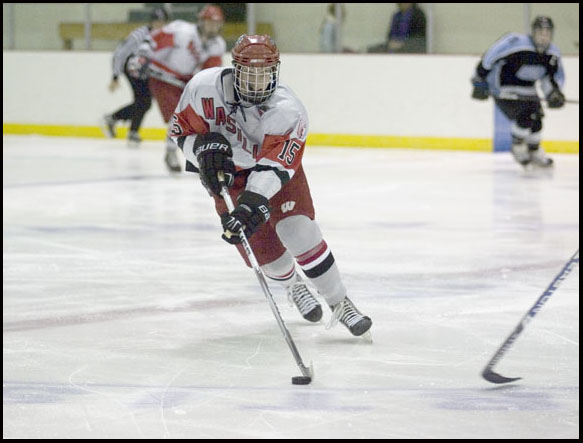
(493, 377)
(301, 380)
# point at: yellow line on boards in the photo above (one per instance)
(342, 140)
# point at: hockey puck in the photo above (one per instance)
(301, 380)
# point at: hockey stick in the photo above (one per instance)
(308, 373)
(519, 98)
(166, 78)
(488, 373)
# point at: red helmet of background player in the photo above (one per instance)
(210, 20)
(256, 62)
(210, 12)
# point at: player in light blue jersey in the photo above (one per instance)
(508, 71)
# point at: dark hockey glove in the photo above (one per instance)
(556, 99)
(251, 212)
(481, 90)
(213, 153)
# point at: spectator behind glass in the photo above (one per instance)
(407, 33)
(329, 28)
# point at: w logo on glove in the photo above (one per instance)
(288, 206)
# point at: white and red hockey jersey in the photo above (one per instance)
(269, 138)
(179, 51)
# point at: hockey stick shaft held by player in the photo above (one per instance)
(307, 372)
(518, 98)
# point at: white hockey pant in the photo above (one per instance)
(304, 242)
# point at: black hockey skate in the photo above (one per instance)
(346, 313)
(300, 295)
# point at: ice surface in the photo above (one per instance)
(126, 316)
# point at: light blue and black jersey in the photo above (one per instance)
(512, 65)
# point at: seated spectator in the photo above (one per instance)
(407, 34)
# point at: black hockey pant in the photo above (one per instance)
(142, 102)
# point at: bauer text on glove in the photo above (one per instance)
(213, 153)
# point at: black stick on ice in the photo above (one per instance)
(307, 373)
(530, 98)
(488, 373)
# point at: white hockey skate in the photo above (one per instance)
(302, 298)
(540, 159)
(171, 160)
(346, 313)
(108, 126)
(521, 153)
(134, 139)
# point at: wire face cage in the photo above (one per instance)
(256, 85)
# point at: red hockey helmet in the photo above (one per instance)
(255, 50)
(210, 21)
(211, 12)
(256, 62)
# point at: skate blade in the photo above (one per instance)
(367, 336)
(535, 171)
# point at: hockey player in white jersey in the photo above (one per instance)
(181, 50)
(508, 71)
(244, 122)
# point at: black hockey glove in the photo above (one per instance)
(556, 99)
(213, 153)
(251, 212)
(481, 89)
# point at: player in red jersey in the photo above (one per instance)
(181, 50)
